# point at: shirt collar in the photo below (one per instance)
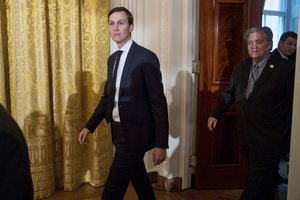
(262, 63)
(127, 46)
(282, 55)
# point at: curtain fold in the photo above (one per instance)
(4, 91)
(51, 82)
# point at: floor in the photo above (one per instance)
(87, 192)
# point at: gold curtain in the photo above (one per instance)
(52, 67)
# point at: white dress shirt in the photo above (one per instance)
(125, 49)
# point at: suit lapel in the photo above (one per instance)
(111, 62)
(127, 67)
(245, 76)
(267, 71)
(246, 73)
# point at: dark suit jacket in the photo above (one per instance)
(142, 103)
(292, 57)
(15, 179)
(264, 119)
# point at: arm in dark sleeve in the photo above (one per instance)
(98, 113)
(290, 81)
(158, 103)
(226, 98)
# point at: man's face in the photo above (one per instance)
(258, 46)
(288, 46)
(119, 28)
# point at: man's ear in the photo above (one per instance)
(131, 27)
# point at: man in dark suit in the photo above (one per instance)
(286, 49)
(262, 88)
(134, 102)
(15, 179)
(287, 46)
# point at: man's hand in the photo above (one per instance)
(158, 156)
(83, 136)
(212, 123)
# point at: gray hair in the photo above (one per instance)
(266, 30)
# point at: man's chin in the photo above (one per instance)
(255, 55)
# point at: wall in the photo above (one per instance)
(169, 28)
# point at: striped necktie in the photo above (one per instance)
(252, 79)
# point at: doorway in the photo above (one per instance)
(220, 162)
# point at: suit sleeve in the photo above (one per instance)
(290, 81)
(226, 97)
(158, 103)
(99, 112)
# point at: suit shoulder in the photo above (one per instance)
(245, 61)
(10, 129)
(143, 50)
(280, 61)
(145, 55)
(242, 63)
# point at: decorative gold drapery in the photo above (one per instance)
(52, 69)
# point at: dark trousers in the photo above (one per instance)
(261, 170)
(124, 169)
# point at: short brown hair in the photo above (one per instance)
(122, 9)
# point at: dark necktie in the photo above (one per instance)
(112, 89)
(252, 79)
(115, 70)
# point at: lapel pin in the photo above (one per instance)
(271, 66)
